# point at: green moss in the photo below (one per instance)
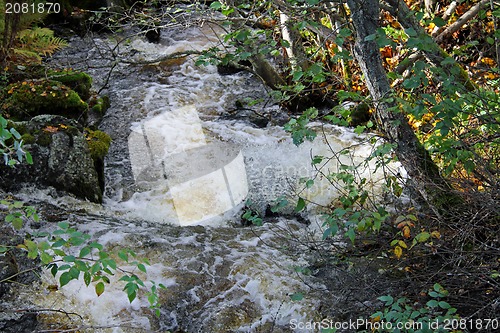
(20, 126)
(44, 139)
(28, 138)
(80, 82)
(101, 105)
(33, 97)
(98, 142)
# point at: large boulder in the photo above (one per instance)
(61, 158)
(29, 98)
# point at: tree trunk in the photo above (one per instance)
(415, 159)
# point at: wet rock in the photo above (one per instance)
(18, 323)
(153, 35)
(247, 115)
(233, 68)
(61, 158)
(8, 268)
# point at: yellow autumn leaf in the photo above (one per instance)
(398, 251)
(436, 234)
(63, 126)
(402, 244)
(489, 76)
(430, 27)
(488, 61)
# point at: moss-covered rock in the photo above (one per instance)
(100, 105)
(80, 82)
(34, 97)
(98, 142)
(28, 138)
(61, 158)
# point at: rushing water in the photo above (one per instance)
(177, 177)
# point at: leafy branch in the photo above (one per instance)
(56, 252)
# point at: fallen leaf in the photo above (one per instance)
(406, 232)
(50, 129)
(398, 251)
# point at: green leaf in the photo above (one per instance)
(297, 75)
(29, 158)
(297, 297)
(124, 256)
(99, 288)
(142, 268)
(63, 225)
(64, 279)
(216, 5)
(309, 183)
(438, 21)
(317, 159)
(81, 266)
(301, 204)
(282, 202)
(388, 300)
(351, 234)
(444, 305)
(9, 218)
(74, 272)
(59, 252)
(432, 303)
(111, 263)
(46, 258)
(32, 249)
(84, 251)
(359, 129)
(87, 278)
(96, 246)
(95, 268)
(69, 258)
(53, 269)
(422, 237)
(15, 133)
(60, 242)
(17, 223)
(448, 61)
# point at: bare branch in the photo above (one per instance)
(446, 15)
(466, 17)
(175, 55)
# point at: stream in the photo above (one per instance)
(178, 175)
